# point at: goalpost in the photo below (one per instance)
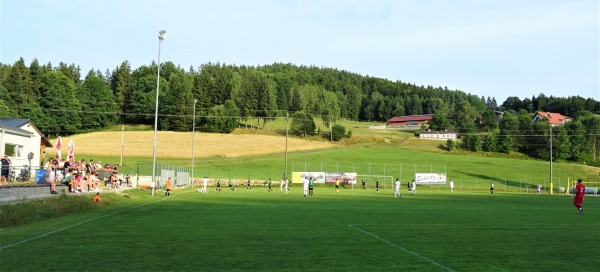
(591, 187)
(384, 181)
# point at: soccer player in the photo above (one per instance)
(337, 185)
(168, 187)
(230, 184)
(270, 188)
(413, 188)
(492, 187)
(281, 185)
(305, 186)
(363, 184)
(579, 194)
(248, 186)
(377, 185)
(311, 185)
(218, 185)
(539, 189)
(397, 189)
(204, 184)
(287, 186)
(451, 186)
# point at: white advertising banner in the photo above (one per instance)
(325, 177)
(430, 178)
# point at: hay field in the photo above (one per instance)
(171, 144)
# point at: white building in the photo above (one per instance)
(22, 141)
(438, 135)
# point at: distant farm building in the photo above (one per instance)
(438, 135)
(409, 121)
(555, 119)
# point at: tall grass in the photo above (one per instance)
(28, 211)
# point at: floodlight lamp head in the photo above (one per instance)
(162, 34)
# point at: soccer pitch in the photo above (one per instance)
(353, 230)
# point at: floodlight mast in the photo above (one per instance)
(162, 34)
(193, 133)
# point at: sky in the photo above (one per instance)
(490, 48)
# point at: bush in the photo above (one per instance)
(338, 132)
(450, 144)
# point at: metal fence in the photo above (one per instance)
(180, 176)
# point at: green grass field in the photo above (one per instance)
(354, 230)
(470, 172)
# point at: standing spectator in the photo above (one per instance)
(47, 179)
(6, 163)
(114, 180)
(397, 189)
(128, 180)
(579, 194)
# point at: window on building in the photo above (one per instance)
(13, 150)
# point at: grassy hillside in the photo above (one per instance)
(179, 144)
(260, 157)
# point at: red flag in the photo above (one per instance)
(58, 147)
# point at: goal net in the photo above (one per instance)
(385, 182)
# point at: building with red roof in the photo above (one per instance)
(409, 121)
(555, 119)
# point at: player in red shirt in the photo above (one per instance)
(579, 194)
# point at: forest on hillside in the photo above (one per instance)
(61, 102)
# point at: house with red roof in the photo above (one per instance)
(555, 119)
(409, 121)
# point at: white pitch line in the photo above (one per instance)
(401, 248)
(74, 225)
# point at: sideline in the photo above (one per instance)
(83, 222)
(401, 248)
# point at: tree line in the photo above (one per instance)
(60, 101)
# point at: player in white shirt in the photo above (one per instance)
(287, 183)
(204, 184)
(413, 188)
(397, 189)
(305, 186)
(281, 185)
(451, 186)
(539, 189)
